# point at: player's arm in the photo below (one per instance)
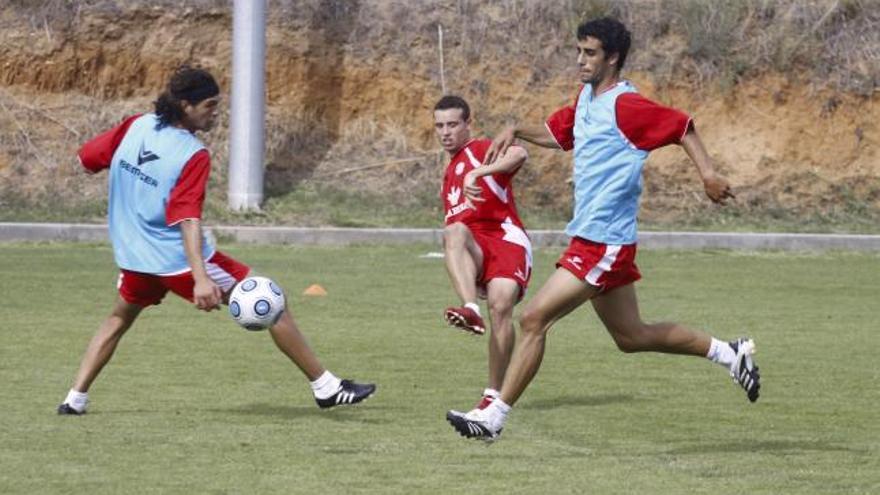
(206, 294)
(539, 135)
(556, 133)
(97, 153)
(648, 126)
(507, 163)
(716, 186)
(185, 209)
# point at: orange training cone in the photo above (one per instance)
(315, 290)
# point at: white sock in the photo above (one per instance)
(720, 352)
(491, 392)
(77, 400)
(496, 414)
(473, 306)
(325, 385)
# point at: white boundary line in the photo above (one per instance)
(77, 232)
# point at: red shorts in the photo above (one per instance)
(145, 289)
(503, 259)
(605, 266)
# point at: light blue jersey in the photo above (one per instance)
(607, 171)
(144, 170)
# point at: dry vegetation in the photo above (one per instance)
(784, 91)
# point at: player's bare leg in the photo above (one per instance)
(293, 344)
(98, 354)
(619, 311)
(329, 391)
(559, 296)
(104, 343)
(503, 294)
(464, 262)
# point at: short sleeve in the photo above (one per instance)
(561, 127)
(96, 154)
(561, 124)
(649, 125)
(188, 195)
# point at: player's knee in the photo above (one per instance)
(531, 321)
(117, 324)
(632, 340)
(500, 312)
(454, 234)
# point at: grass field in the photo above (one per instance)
(193, 404)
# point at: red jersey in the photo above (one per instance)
(497, 190)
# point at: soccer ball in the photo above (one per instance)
(256, 303)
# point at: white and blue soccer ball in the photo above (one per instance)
(256, 303)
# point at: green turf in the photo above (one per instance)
(193, 404)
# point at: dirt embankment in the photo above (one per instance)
(346, 96)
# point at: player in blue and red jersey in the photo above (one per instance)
(610, 129)
(487, 251)
(158, 170)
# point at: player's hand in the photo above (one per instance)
(473, 193)
(206, 295)
(499, 145)
(717, 188)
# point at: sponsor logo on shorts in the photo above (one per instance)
(455, 211)
(576, 261)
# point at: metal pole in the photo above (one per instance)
(248, 105)
(442, 72)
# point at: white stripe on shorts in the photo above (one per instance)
(603, 265)
(221, 277)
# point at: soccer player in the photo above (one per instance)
(158, 171)
(487, 251)
(611, 129)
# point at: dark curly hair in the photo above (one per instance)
(186, 84)
(453, 101)
(612, 33)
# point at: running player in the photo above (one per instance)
(611, 129)
(158, 171)
(487, 251)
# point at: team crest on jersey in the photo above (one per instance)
(145, 156)
(454, 196)
(459, 168)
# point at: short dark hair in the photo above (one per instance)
(453, 101)
(612, 33)
(186, 84)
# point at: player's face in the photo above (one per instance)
(452, 130)
(594, 66)
(202, 116)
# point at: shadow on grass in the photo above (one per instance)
(340, 414)
(791, 446)
(578, 401)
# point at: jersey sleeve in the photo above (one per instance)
(188, 195)
(96, 154)
(649, 125)
(561, 127)
(561, 124)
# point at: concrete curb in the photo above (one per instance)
(36, 232)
